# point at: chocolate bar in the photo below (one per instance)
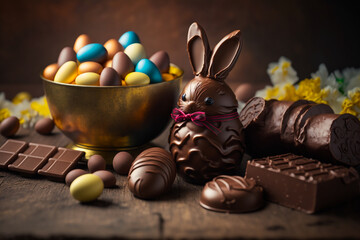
(9, 151)
(61, 163)
(33, 158)
(303, 183)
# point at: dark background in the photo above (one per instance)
(32, 33)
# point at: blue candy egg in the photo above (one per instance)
(92, 52)
(129, 38)
(149, 68)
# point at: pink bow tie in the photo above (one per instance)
(200, 119)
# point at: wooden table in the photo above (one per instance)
(38, 208)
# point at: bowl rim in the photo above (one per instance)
(104, 87)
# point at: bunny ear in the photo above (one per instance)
(198, 49)
(224, 56)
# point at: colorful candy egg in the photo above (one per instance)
(109, 77)
(66, 73)
(113, 46)
(137, 78)
(122, 64)
(92, 52)
(66, 54)
(50, 71)
(88, 78)
(135, 52)
(149, 68)
(86, 188)
(81, 41)
(162, 60)
(90, 67)
(129, 38)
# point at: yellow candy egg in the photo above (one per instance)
(88, 78)
(66, 73)
(90, 67)
(86, 188)
(175, 71)
(135, 52)
(137, 78)
(167, 77)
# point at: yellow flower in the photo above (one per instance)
(41, 108)
(309, 89)
(351, 104)
(4, 113)
(283, 93)
(21, 96)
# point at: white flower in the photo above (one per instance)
(334, 98)
(281, 72)
(325, 78)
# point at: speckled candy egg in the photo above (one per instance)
(162, 60)
(109, 77)
(122, 64)
(135, 52)
(86, 188)
(92, 52)
(149, 68)
(129, 38)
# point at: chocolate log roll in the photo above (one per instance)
(262, 122)
(332, 138)
(295, 118)
(303, 183)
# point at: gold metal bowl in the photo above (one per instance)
(112, 118)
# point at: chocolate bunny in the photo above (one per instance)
(206, 139)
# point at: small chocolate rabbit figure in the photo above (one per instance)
(206, 139)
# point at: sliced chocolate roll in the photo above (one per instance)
(262, 133)
(312, 110)
(332, 138)
(290, 116)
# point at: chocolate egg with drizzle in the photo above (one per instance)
(152, 173)
(232, 194)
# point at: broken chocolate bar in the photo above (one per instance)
(303, 183)
(32, 158)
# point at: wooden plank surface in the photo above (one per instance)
(38, 208)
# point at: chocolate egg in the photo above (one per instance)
(122, 64)
(50, 71)
(81, 41)
(113, 46)
(135, 52)
(44, 126)
(109, 77)
(245, 91)
(149, 68)
(96, 162)
(107, 177)
(9, 126)
(129, 38)
(122, 162)
(162, 60)
(90, 67)
(66, 54)
(152, 173)
(92, 52)
(73, 174)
